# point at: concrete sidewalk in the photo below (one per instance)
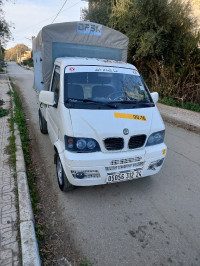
(18, 244)
(180, 117)
(9, 248)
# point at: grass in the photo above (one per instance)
(12, 154)
(20, 120)
(12, 146)
(187, 105)
(85, 262)
(1, 102)
(3, 112)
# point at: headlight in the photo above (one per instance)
(81, 144)
(156, 138)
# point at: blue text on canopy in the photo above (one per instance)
(89, 28)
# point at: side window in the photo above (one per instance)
(56, 84)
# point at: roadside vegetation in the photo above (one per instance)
(3, 112)
(164, 43)
(189, 106)
(15, 52)
(20, 120)
(2, 63)
(1, 69)
(5, 33)
(12, 154)
(28, 62)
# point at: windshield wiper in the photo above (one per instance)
(92, 101)
(132, 102)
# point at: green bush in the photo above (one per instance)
(163, 42)
(28, 62)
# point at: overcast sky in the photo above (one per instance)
(27, 17)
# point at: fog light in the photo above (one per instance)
(85, 174)
(155, 164)
(159, 163)
(80, 175)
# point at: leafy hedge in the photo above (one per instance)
(164, 42)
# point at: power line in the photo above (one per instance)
(45, 19)
(59, 11)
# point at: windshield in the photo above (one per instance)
(90, 85)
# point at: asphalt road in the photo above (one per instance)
(150, 221)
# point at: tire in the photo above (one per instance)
(42, 124)
(63, 182)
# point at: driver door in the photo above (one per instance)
(52, 114)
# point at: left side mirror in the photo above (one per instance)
(155, 96)
(47, 97)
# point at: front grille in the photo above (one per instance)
(114, 144)
(136, 141)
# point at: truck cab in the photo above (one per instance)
(102, 121)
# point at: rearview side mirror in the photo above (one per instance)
(155, 96)
(47, 97)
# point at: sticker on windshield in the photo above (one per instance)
(130, 116)
(135, 72)
(72, 69)
(101, 69)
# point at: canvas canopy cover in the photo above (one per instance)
(74, 39)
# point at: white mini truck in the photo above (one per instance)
(102, 121)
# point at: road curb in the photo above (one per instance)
(180, 123)
(29, 245)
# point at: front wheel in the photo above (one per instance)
(63, 182)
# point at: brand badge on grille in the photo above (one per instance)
(126, 131)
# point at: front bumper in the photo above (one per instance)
(96, 166)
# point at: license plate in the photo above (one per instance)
(119, 177)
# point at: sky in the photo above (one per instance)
(27, 17)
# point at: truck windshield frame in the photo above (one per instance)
(102, 87)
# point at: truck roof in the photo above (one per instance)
(74, 61)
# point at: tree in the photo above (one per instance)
(15, 52)
(163, 42)
(99, 11)
(5, 33)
